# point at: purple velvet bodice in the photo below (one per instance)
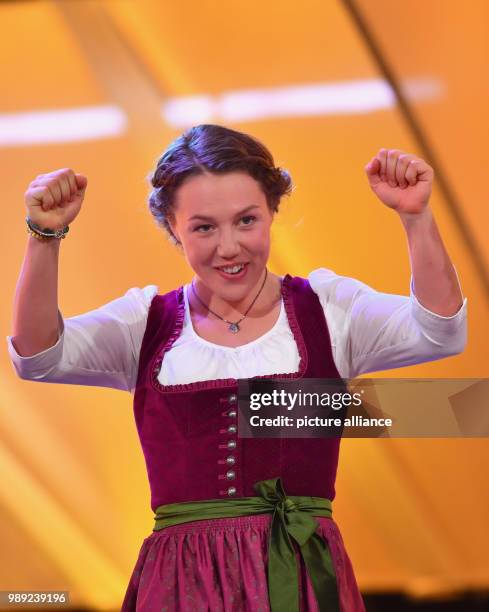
(188, 432)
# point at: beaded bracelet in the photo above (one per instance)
(46, 233)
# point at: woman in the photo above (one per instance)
(241, 524)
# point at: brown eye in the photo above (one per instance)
(252, 217)
(198, 228)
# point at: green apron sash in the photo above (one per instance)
(292, 518)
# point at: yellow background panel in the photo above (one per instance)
(42, 67)
(413, 513)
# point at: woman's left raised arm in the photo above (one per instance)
(404, 182)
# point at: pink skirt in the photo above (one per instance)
(220, 565)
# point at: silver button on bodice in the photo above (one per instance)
(230, 460)
(232, 491)
(232, 413)
(232, 429)
(232, 444)
(232, 398)
(230, 474)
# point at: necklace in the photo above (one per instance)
(233, 327)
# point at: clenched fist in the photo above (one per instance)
(400, 180)
(53, 200)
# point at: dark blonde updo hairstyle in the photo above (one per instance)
(215, 149)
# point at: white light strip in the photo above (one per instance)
(69, 125)
(297, 101)
(344, 98)
(98, 122)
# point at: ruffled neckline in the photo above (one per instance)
(221, 347)
(226, 382)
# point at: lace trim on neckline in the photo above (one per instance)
(225, 383)
(221, 347)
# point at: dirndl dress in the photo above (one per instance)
(188, 433)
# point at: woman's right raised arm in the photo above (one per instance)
(52, 201)
(97, 348)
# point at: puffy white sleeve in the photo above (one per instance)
(372, 331)
(98, 348)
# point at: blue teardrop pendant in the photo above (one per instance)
(234, 328)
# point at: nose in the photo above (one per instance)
(228, 246)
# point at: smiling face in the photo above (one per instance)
(221, 220)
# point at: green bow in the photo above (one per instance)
(292, 517)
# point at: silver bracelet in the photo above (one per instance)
(46, 232)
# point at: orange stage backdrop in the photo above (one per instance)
(74, 500)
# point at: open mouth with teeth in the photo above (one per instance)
(229, 271)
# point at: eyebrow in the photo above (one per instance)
(206, 218)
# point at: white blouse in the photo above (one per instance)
(369, 330)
